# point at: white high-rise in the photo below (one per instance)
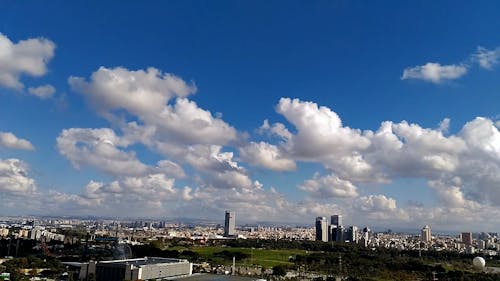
(229, 224)
(426, 234)
(321, 229)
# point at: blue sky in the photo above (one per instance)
(303, 67)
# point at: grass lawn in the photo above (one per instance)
(263, 257)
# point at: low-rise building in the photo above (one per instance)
(147, 268)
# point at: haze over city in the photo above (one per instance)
(387, 115)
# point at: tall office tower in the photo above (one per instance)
(336, 220)
(332, 230)
(340, 235)
(321, 229)
(467, 238)
(352, 234)
(426, 234)
(229, 224)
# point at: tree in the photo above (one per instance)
(279, 270)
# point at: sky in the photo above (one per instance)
(384, 112)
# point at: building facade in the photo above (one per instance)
(467, 238)
(147, 268)
(321, 229)
(426, 234)
(336, 220)
(229, 224)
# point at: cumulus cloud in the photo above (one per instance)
(218, 166)
(462, 169)
(374, 203)
(104, 150)
(140, 92)
(434, 72)
(99, 148)
(14, 177)
(328, 187)
(151, 108)
(395, 151)
(156, 187)
(277, 129)
(266, 155)
(9, 140)
(380, 208)
(320, 132)
(43, 92)
(159, 116)
(29, 57)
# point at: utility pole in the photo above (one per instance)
(234, 265)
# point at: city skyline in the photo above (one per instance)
(192, 109)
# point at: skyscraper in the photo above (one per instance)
(229, 224)
(336, 220)
(426, 234)
(321, 229)
(336, 229)
(352, 234)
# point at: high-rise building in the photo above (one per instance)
(339, 234)
(332, 230)
(229, 224)
(321, 229)
(336, 220)
(352, 234)
(426, 234)
(467, 238)
(335, 232)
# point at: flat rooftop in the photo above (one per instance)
(143, 261)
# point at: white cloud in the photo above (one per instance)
(14, 177)
(444, 125)
(28, 57)
(140, 92)
(156, 187)
(382, 209)
(147, 96)
(159, 115)
(395, 151)
(374, 203)
(328, 187)
(482, 136)
(104, 150)
(266, 155)
(486, 59)
(152, 194)
(43, 92)
(277, 129)
(171, 169)
(434, 72)
(9, 140)
(320, 132)
(99, 148)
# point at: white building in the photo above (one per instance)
(426, 234)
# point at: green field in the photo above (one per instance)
(263, 257)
